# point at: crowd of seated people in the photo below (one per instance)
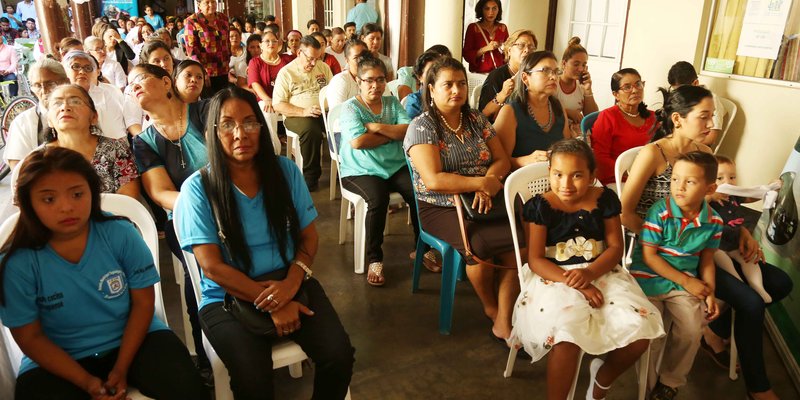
(178, 114)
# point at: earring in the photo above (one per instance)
(431, 103)
(95, 130)
(169, 95)
(52, 134)
(678, 126)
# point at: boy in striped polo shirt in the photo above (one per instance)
(674, 265)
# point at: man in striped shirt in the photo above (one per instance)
(674, 265)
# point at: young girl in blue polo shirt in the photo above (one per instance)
(76, 290)
(580, 298)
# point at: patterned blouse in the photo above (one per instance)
(471, 158)
(113, 162)
(207, 43)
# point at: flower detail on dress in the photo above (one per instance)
(578, 246)
(641, 311)
(483, 155)
(442, 145)
(545, 281)
(549, 342)
(485, 134)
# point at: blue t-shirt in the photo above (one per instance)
(197, 225)
(382, 161)
(83, 307)
(414, 104)
(155, 21)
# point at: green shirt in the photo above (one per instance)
(382, 161)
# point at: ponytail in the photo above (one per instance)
(681, 100)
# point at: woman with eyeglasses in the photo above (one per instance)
(117, 116)
(263, 70)
(484, 39)
(498, 86)
(261, 205)
(372, 161)
(534, 119)
(625, 125)
(575, 84)
(167, 152)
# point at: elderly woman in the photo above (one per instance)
(575, 84)
(249, 192)
(167, 152)
(116, 115)
(372, 35)
(293, 42)
(372, 161)
(625, 125)
(262, 70)
(534, 119)
(189, 77)
(72, 116)
(484, 38)
(111, 69)
(452, 150)
(499, 85)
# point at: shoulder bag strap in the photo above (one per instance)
(467, 250)
(491, 54)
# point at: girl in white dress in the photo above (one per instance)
(579, 298)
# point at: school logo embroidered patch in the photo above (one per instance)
(112, 284)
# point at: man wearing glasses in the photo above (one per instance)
(296, 96)
(24, 132)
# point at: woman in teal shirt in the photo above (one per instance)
(372, 161)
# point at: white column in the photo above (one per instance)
(444, 24)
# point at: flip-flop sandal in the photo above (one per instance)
(428, 261)
(376, 269)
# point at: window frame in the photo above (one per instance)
(585, 40)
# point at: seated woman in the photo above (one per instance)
(421, 67)
(267, 217)
(78, 341)
(116, 49)
(535, 119)
(72, 117)
(498, 86)
(262, 70)
(189, 77)
(372, 161)
(117, 117)
(575, 84)
(452, 150)
(293, 43)
(625, 125)
(167, 152)
(157, 52)
(483, 39)
(327, 58)
(372, 35)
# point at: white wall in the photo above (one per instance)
(302, 11)
(529, 14)
(767, 125)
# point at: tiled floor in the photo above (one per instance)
(399, 352)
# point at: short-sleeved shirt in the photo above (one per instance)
(83, 307)
(155, 21)
(23, 134)
(197, 225)
(298, 87)
(414, 104)
(362, 14)
(259, 71)
(470, 158)
(113, 161)
(115, 112)
(612, 135)
(343, 87)
(573, 100)
(679, 241)
(382, 161)
(207, 42)
(405, 75)
(340, 57)
(387, 61)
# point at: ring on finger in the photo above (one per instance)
(270, 297)
(276, 302)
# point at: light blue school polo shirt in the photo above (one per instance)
(382, 161)
(679, 241)
(197, 225)
(83, 307)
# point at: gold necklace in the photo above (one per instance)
(458, 128)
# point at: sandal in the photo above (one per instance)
(376, 271)
(722, 359)
(429, 261)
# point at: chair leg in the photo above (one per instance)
(360, 237)
(734, 351)
(296, 370)
(512, 357)
(643, 366)
(575, 379)
(416, 271)
(448, 291)
(289, 146)
(334, 183)
(343, 219)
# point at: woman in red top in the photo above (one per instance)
(625, 125)
(484, 38)
(262, 70)
(327, 58)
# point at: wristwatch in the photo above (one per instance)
(305, 268)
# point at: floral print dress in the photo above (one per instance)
(547, 313)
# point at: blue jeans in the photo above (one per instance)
(750, 310)
(12, 88)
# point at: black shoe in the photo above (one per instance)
(207, 375)
(312, 186)
(663, 392)
(722, 358)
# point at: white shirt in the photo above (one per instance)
(238, 64)
(339, 57)
(719, 114)
(342, 88)
(571, 101)
(23, 134)
(115, 112)
(177, 54)
(27, 11)
(389, 66)
(114, 73)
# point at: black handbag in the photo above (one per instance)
(496, 213)
(254, 320)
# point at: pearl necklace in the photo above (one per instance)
(549, 123)
(632, 115)
(458, 128)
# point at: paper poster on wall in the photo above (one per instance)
(777, 231)
(763, 27)
(114, 9)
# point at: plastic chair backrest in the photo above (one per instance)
(523, 184)
(188, 257)
(12, 350)
(332, 128)
(392, 87)
(587, 123)
(623, 165)
(475, 96)
(730, 110)
(473, 80)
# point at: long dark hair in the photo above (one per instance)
(681, 100)
(616, 78)
(441, 64)
(281, 213)
(30, 232)
(176, 72)
(482, 3)
(252, 38)
(520, 94)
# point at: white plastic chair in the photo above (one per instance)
(392, 87)
(272, 126)
(331, 126)
(730, 110)
(284, 353)
(475, 96)
(119, 205)
(474, 80)
(293, 148)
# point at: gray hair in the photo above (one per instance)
(90, 40)
(73, 54)
(51, 65)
